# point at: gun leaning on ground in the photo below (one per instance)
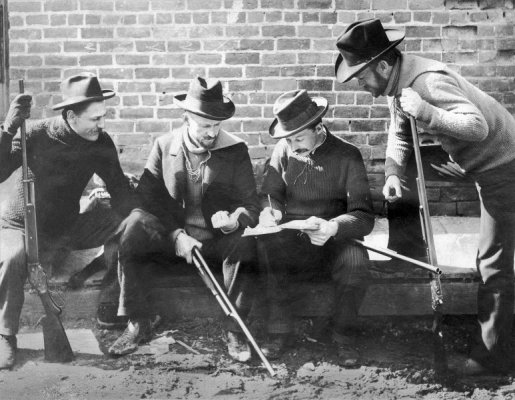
(57, 346)
(209, 279)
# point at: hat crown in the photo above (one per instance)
(293, 109)
(366, 38)
(84, 84)
(206, 90)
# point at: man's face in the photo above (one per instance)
(202, 131)
(89, 123)
(372, 81)
(304, 141)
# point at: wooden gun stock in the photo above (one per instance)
(57, 346)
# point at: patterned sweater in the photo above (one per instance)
(62, 164)
(473, 128)
(331, 183)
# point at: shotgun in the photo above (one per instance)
(57, 346)
(440, 358)
(229, 310)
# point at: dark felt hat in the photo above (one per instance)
(82, 88)
(205, 98)
(295, 111)
(362, 43)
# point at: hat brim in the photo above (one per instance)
(217, 111)
(345, 73)
(106, 94)
(277, 132)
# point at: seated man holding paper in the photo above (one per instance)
(197, 190)
(320, 182)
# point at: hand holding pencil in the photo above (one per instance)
(270, 216)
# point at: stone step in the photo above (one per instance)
(391, 293)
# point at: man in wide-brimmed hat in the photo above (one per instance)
(63, 153)
(197, 189)
(321, 180)
(477, 132)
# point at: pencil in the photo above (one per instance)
(270, 202)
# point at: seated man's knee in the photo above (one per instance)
(138, 230)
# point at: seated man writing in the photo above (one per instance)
(197, 189)
(315, 177)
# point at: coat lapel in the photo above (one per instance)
(213, 167)
(177, 173)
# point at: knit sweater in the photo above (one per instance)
(331, 183)
(62, 163)
(473, 128)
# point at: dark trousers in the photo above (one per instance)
(289, 257)
(145, 246)
(91, 229)
(495, 300)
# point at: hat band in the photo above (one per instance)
(300, 119)
(352, 59)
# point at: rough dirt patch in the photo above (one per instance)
(395, 364)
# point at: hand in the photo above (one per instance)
(19, 111)
(225, 221)
(411, 102)
(184, 245)
(270, 217)
(392, 190)
(451, 169)
(325, 230)
(98, 197)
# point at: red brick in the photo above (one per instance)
(132, 59)
(133, 32)
(149, 100)
(163, 18)
(329, 18)
(423, 31)
(293, 44)
(152, 73)
(167, 5)
(201, 18)
(61, 60)
(440, 18)
(301, 71)
(168, 59)
(138, 87)
(316, 84)
(150, 45)
(183, 46)
(314, 32)
(206, 31)
(27, 34)
(188, 72)
(426, 4)
(131, 5)
(135, 113)
(60, 5)
(128, 101)
(245, 85)
(146, 19)
(43, 47)
(278, 30)
(273, 16)
(233, 72)
(116, 73)
(379, 112)
(25, 61)
(318, 4)
(93, 19)
(59, 33)
(242, 58)
(242, 31)
(357, 125)
(128, 19)
(204, 5)
(422, 16)
(256, 17)
(278, 58)
(25, 7)
(279, 85)
(210, 59)
(350, 112)
(116, 46)
(248, 112)
(183, 18)
(256, 44)
(461, 32)
(96, 5)
(37, 19)
(152, 126)
(315, 58)
(261, 72)
(90, 33)
(278, 4)
(96, 59)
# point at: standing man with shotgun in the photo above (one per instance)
(63, 153)
(477, 132)
(197, 191)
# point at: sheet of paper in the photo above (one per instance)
(267, 230)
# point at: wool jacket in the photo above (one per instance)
(473, 128)
(227, 182)
(62, 163)
(331, 183)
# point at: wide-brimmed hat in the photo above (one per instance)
(295, 111)
(82, 88)
(362, 43)
(205, 98)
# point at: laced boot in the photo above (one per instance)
(7, 351)
(138, 331)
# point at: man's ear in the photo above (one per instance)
(70, 115)
(383, 69)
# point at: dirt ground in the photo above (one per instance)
(395, 363)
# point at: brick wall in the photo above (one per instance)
(149, 50)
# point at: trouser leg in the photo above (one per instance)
(237, 255)
(13, 274)
(350, 272)
(495, 298)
